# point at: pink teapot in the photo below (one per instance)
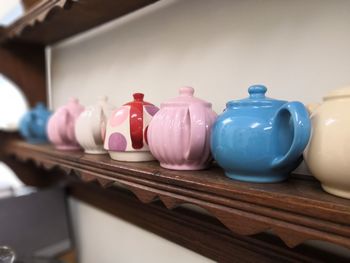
(179, 133)
(60, 128)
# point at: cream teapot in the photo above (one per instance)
(91, 125)
(327, 154)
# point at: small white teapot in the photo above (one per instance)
(327, 154)
(91, 126)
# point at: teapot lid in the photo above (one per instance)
(338, 93)
(104, 103)
(73, 106)
(73, 100)
(40, 106)
(256, 98)
(186, 97)
(103, 99)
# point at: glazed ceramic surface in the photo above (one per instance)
(179, 133)
(327, 154)
(33, 124)
(90, 126)
(60, 128)
(126, 131)
(259, 139)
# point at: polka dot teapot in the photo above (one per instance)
(126, 131)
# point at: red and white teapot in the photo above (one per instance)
(126, 131)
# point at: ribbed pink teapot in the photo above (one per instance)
(60, 128)
(179, 133)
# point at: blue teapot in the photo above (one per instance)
(33, 124)
(259, 139)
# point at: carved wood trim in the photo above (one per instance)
(296, 211)
(35, 15)
(54, 20)
(198, 232)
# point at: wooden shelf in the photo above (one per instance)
(54, 20)
(296, 210)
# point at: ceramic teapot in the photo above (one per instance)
(60, 127)
(327, 154)
(126, 131)
(179, 133)
(33, 124)
(91, 125)
(259, 139)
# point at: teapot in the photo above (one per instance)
(126, 131)
(259, 139)
(179, 133)
(33, 124)
(60, 127)
(91, 125)
(327, 154)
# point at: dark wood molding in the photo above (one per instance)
(54, 20)
(296, 210)
(198, 232)
(30, 173)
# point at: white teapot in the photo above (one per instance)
(91, 126)
(328, 151)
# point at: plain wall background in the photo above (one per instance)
(103, 238)
(299, 49)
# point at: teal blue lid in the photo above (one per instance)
(256, 98)
(40, 106)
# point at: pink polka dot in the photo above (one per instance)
(151, 109)
(117, 142)
(119, 116)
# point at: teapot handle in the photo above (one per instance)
(26, 129)
(62, 125)
(96, 122)
(197, 132)
(302, 129)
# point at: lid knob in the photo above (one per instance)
(257, 91)
(138, 96)
(73, 100)
(186, 91)
(102, 98)
(40, 106)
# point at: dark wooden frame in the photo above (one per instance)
(54, 20)
(24, 65)
(240, 213)
(296, 210)
(198, 232)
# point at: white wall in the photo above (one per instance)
(299, 49)
(103, 238)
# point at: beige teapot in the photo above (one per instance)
(328, 152)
